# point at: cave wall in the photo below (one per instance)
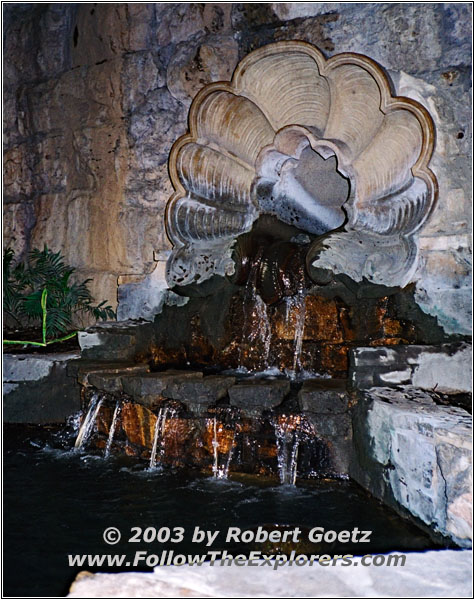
(96, 94)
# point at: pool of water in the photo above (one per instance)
(58, 502)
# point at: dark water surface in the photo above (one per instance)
(58, 502)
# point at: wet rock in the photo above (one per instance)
(254, 396)
(107, 382)
(328, 426)
(321, 320)
(148, 389)
(86, 371)
(200, 390)
(340, 448)
(323, 396)
(138, 422)
(416, 456)
(325, 404)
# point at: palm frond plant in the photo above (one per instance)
(40, 293)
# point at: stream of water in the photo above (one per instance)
(113, 427)
(89, 421)
(220, 468)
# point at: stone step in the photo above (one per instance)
(104, 375)
(148, 388)
(197, 394)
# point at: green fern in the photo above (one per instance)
(40, 293)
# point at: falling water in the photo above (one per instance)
(264, 330)
(287, 452)
(215, 445)
(295, 307)
(221, 471)
(112, 429)
(256, 318)
(158, 435)
(298, 336)
(89, 421)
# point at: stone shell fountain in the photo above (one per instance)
(298, 171)
(320, 144)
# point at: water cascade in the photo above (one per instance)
(221, 468)
(89, 421)
(158, 435)
(256, 323)
(263, 328)
(296, 308)
(113, 427)
(288, 440)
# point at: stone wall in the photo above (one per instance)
(96, 94)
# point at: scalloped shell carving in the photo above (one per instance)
(289, 116)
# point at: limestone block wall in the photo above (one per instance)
(96, 94)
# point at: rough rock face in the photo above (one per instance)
(446, 368)
(95, 96)
(416, 456)
(38, 389)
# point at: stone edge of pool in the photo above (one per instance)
(432, 574)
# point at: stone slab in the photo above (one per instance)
(148, 388)
(108, 382)
(435, 574)
(88, 370)
(258, 394)
(416, 456)
(202, 390)
(323, 396)
(446, 367)
(33, 367)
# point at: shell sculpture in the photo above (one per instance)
(321, 144)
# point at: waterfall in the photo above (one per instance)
(256, 317)
(288, 441)
(158, 435)
(215, 445)
(299, 329)
(295, 307)
(89, 421)
(112, 429)
(264, 329)
(221, 471)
